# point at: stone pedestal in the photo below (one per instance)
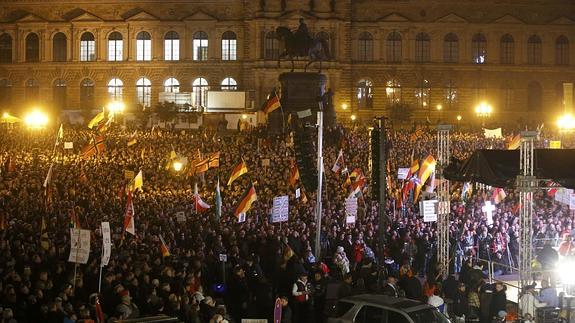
(301, 91)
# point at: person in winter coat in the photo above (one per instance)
(460, 304)
(341, 261)
(499, 301)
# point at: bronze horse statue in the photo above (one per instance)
(302, 45)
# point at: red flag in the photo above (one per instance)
(99, 313)
(129, 225)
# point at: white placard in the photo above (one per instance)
(429, 210)
(280, 209)
(106, 244)
(266, 162)
(571, 201)
(242, 217)
(223, 257)
(350, 210)
(181, 217)
(402, 173)
(68, 145)
(297, 193)
(79, 246)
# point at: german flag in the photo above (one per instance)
(96, 147)
(240, 169)
(164, 248)
(347, 181)
(414, 167)
(272, 103)
(294, 175)
(514, 143)
(248, 198)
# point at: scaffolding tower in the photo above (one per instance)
(527, 184)
(443, 208)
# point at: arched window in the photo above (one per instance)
(393, 47)
(144, 92)
(271, 46)
(87, 47)
(507, 49)
(32, 48)
(143, 46)
(365, 94)
(450, 48)
(534, 50)
(229, 84)
(59, 93)
(5, 93)
(32, 91)
(393, 91)
(229, 46)
(172, 46)
(422, 94)
(478, 48)
(59, 47)
(115, 47)
(115, 89)
(199, 92)
(5, 48)
(200, 45)
(87, 94)
(422, 48)
(562, 50)
(365, 47)
(171, 85)
(534, 94)
(326, 39)
(450, 95)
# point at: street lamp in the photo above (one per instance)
(566, 124)
(36, 119)
(344, 106)
(483, 110)
(177, 166)
(353, 117)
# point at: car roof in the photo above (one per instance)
(405, 304)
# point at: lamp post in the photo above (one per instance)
(458, 121)
(483, 110)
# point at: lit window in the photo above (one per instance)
(115, 89)
(172, 46)
(229, 46)
(422, 94)
(200, 45)
(87, 47)
(144, 92)
(393, 91)
(229, 84)
(199, 92)
(115, 47)
(365, 94)
(478, 47)
(450, 95)
(143, 46)
(171, 85)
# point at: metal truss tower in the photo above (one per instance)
(443, 155)
(527, 184)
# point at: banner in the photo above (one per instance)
(555, 144)
(492, 133)
(402, 173)
(106, 244)
(571, 201)
(129, 174)
(79, 246)
(68, 145)
(181, 217)
(280, 209)
(242, 217)
(350, 210)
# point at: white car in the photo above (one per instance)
(372, 308)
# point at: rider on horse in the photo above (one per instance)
(302, 35)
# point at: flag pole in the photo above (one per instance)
(100, 278)
(319, 180)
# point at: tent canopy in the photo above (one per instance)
(500, 168)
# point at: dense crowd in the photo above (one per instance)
(263, 260)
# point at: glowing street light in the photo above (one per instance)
(353, 117)
(116, 107)
(344, 106)
(458, 118)
(439, 107)
(177, 166)
(566, 122)
(36, 119)
(244, 116)
(483, 110)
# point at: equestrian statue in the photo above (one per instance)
(301, 44)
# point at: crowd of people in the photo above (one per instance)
(262, 260)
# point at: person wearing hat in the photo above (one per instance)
(301, 292)
(126, 309)
(528, 303)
